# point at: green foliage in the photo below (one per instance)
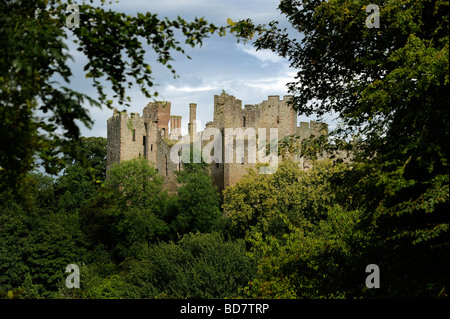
(130, 125)
(41, 189)
(346, 217)
(389, 88)
(96, 222)
(197, 266)
(138, 205)
(40, 113)
(406, 222)
(36, 248)
(301, 237)
(136, 182)
(198, 202)
(100, 279)
(91, 155)
(262, 202)
(388, 85)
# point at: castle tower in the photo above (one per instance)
(159, 114)
(227, 111)
(126, 137)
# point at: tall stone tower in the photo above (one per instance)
(131, 136)
(272, 113)
(126, 137)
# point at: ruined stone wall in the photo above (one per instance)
(271, 113)
(133, 136)
(125, 137)
(306, 129)
(228, 113)
(159, 114)
(165, 167)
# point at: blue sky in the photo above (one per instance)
(219, 64)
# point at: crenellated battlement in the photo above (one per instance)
(154, 132)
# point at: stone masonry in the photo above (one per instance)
(150, 136)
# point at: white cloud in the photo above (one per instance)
(190, 89)
(272, 84)
(215, 11)
(262, 55)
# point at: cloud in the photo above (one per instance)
(262, 55)
(190, 89)
(215, 11)
(272, 84)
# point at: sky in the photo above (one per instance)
(221, 63)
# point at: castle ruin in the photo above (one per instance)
(153, 134)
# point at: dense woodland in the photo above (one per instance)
(291, 234)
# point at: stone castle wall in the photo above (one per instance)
(131, 136)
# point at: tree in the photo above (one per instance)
(137, 205)
(83, 175)
(40, 112)
(197, 266)
(389, 87)
(269, 203)
(300, 231)
(198, 202)
(36, 246)
(93, 151)
(41, 188)
(136, 182)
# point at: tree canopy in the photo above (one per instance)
(40, 112)
(389, 87)
(292, 234)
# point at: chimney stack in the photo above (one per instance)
(192, 126)
(175, 127)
